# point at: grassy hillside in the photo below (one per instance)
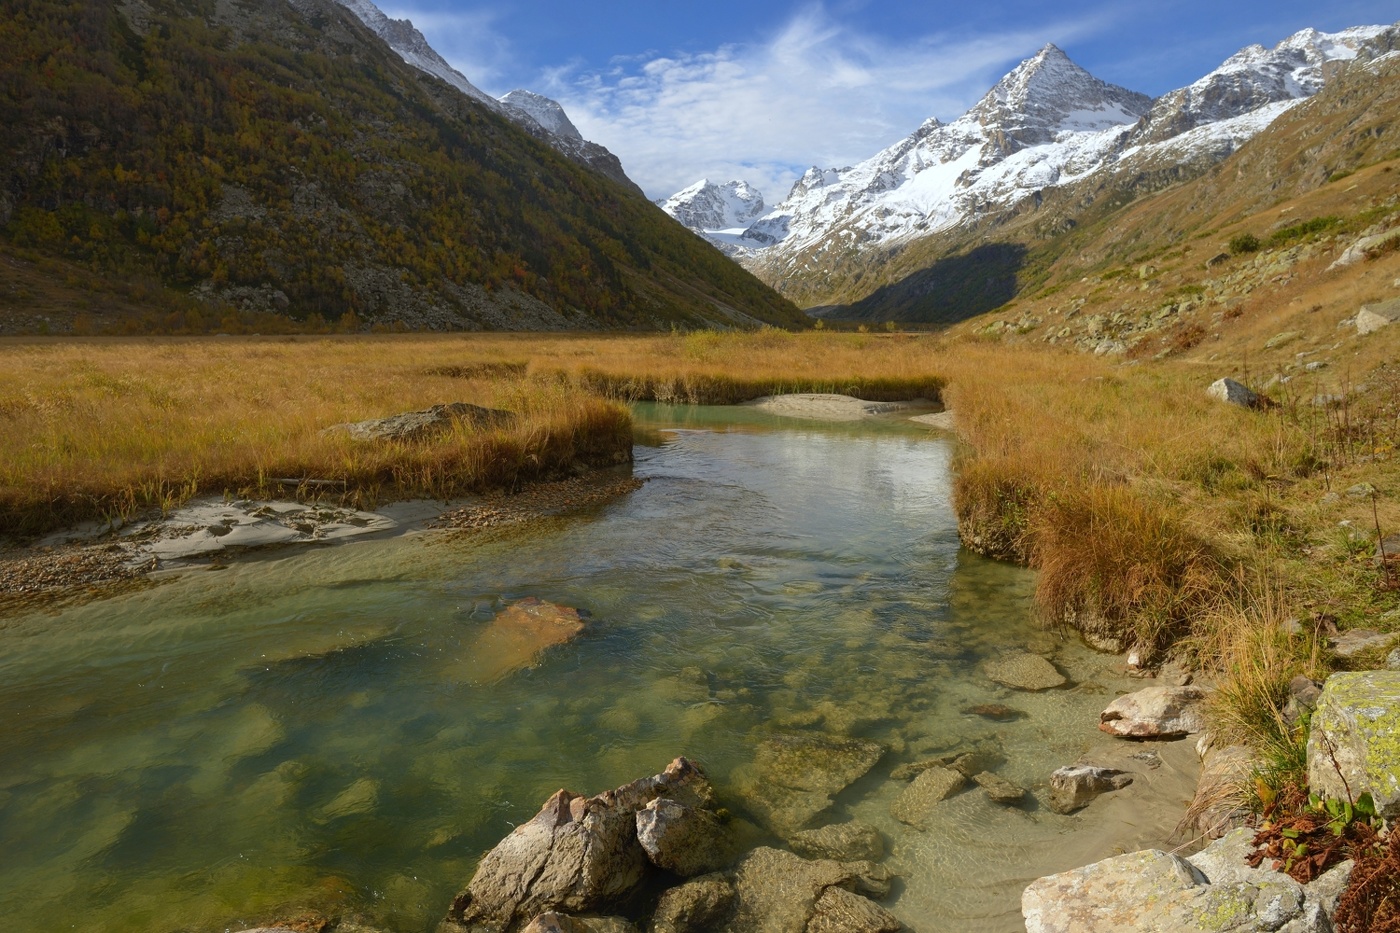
(277, 159)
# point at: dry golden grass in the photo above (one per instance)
(102, 428)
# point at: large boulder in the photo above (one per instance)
(778, 892)
(1354, 743)
(420, 425)
(1024, 671)
(794, 778)
(1375, 316)
(1151, 891)
(1074, 787)
(1155, 713)
(577, 855)
(1236, 393)
(515, 639)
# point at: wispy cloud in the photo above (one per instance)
(819, 91)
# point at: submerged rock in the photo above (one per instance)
(1024, 671)
(844, 842)
(1155, 713)
(929, 789)
(1075, 786)
(554, 922)
(999, 789)
(516, 638)
(1354, 742)
(793, 778)
(577, 855)
(686, 841)
(778, 892)
(694, 907)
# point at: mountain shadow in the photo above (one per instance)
(950, 290)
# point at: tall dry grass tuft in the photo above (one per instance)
(1122, 568)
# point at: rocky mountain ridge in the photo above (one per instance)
(1046, 127)
(538, 115)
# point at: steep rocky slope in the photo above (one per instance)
(278, 158)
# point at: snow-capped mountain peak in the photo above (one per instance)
(708, 207)
(547, 113)
(1049, 94)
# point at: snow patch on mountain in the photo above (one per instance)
(719, 212)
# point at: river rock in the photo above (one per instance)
(793, 778)
(516, 638)
(1155, 713)
(1235, 393)
(997, 712)
(778, 892)
(999, 789)
(1354, 742)
(686, 841)
(577, 855)
(554, 922)
(845, 842)
(694, 907)
(1375, 316)
(1151, 891)
(929, 789)
(1024, 671)
(419, 425)
(1075, 786)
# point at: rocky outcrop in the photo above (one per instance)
(1022, 670)
(1373, 317)
(794, 778)
(1075, 786)
(1155, 713)
(1360, 249)
(578, 854)
(420, 425)
(1151, 891)
(516, 638)
(1354, 742)
(778, 892)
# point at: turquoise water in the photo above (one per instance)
(293, 730)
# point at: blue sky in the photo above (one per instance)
(762, 90)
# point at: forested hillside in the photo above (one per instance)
(277, 159)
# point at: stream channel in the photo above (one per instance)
(291, 728)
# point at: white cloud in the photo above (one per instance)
(818, 92)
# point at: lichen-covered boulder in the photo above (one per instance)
(1151, 891)
(1155, 713)
(1354, 744)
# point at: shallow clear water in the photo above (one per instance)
(295, 729)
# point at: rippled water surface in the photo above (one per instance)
(294, 730)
